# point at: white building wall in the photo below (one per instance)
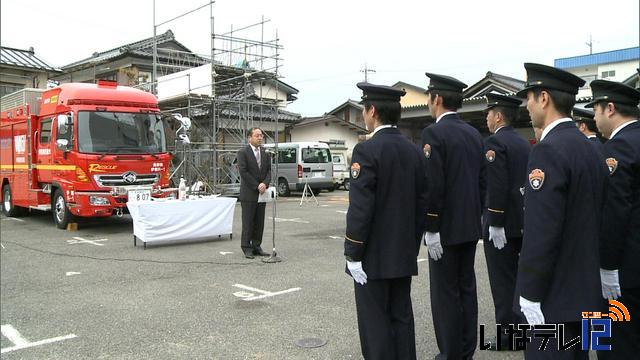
(592, 72)
(320, 132)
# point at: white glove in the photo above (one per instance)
(496, 234)
(610, 284)
(432, 242)
(531, 311)
(357, 273)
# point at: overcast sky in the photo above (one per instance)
(327, 43)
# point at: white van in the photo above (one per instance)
(300, 163)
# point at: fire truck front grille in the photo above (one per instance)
(126, 180)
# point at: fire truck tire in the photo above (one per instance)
(61, 214)
(8, 208)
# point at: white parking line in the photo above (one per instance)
(336, 237)
(2, 245)
(249, 296)
(79, 240)
(342, 211)
(14, 219)
(226, 252)
(14, 336)
(295, 220)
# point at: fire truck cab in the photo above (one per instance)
(81, 150)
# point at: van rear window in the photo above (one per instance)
(311, 155)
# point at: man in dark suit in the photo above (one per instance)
(558, 273)
(254, 166)
(506, 155)
(384, 226)
(456, 185)
(616, 114)
(587, 125)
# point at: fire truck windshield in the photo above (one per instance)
(120, 133)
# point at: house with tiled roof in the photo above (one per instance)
(21, 69)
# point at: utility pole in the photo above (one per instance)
(366, 72)
(590, 44)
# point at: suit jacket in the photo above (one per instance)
(620, 235)
(506, 156)
(597, 143)
(455, 180)
(387, 203)
(559, 261)
(250, 174)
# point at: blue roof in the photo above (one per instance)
(599, 58)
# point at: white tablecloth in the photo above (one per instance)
(191, 219)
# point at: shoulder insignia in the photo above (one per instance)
(490, 155)
(355, 170)
(536, 179)
(612, 164)
(427, 150)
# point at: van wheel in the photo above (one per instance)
(8, 208)
(61, 214)
(283, 187)
(347, 185)
(331, 189)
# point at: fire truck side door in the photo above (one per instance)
(44, 162)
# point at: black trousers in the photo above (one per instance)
(571, 331)
(454, 301)
(385, 319)
(625, 335)
(252, 224)
(502, 266)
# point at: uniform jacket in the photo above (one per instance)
(250, 175)
(386, 205)
(506, 156)
(559, 261)
(455, 180)
(620, 236)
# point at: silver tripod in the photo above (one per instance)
(306, 192)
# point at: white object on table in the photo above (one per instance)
(192, 219)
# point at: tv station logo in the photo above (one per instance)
(596, 326)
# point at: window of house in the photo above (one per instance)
(608, 74)
(346, 115)
(45, 131)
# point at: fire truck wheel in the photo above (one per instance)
(7, 203)
(61, 214)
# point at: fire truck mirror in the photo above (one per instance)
(63, 124)
(62, 144)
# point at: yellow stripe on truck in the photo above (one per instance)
(56, 167)
(16, 167)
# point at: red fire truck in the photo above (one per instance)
(81, 150)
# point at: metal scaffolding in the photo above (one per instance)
(244, 91)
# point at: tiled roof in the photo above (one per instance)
(24, 58)
(142, 48)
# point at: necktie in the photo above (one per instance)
(258, 157)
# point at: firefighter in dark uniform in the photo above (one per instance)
(385, 220)
(558, 272)
(506, 155)
(616, 113)
(587, 125)
(455, 159)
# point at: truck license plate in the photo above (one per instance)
(318, 174)
(139, 195)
